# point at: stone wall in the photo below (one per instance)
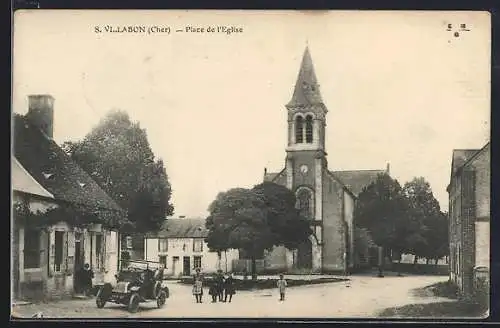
(333, 239)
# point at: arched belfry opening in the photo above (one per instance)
(299, 129)
(309, 129)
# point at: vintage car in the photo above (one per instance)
(140, 281)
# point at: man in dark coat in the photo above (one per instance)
(86, 275)
(229, 288)
(220, 285)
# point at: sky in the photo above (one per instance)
(399, 88)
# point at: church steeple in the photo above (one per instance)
(306, 110)
(306, 92)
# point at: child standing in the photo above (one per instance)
(198, 290)
(212, 291)
(282, 287)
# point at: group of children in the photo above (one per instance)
(221, 287)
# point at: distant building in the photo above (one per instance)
(180, 246)
(46, 257)
(326, 197)
(469, 213)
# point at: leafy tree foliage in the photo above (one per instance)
(116, 153)
(255, 220)
(382, 209)
(429, 237)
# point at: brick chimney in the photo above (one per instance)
(41, 113)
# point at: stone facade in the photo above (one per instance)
(469, 199)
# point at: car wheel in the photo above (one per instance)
(100, 301)
(161, 299)
(133, 303)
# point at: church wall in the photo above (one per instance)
(348, 218)
(333, 245)
(300, 179)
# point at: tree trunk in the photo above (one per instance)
(254, 268)
(381, 258)
(225, 256)
(398, 270)
(415, 260)
(218, 260)
(436, 261)
(427, 261)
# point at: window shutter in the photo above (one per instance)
(64, 266)
(70, 262)
(51, 250)
(109, 250)
(104, 251)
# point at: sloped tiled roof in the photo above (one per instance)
(356, 180)
(460, 157)
(182, 228)
(270, 176)
(53, 169)
(24, 182)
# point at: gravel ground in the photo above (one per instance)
(362, 297)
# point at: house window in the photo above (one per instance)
(197, 261)
(162, 245)
(58, 248)
(299, 128)
(128, 242)
(309, 129)
(197, 245)
(98, 251)
(31, 248)
(163, 260)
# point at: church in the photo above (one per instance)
(326, 197)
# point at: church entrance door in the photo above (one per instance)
(304, 255)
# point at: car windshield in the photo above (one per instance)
(129, 275)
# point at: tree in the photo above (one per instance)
(429, 237)
(382, 209)
(117, 155)
(255, 220)
(289, 227)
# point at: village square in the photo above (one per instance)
(97, 232)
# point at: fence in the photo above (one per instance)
(241, 266)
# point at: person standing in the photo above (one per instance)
(212, 291)
(282, 287)
(198, 290)
(87, 275)
(229, 288)
(220, 285)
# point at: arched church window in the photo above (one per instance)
(305, 203)
(309, 129)
(299, 128)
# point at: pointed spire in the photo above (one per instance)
(306, 90)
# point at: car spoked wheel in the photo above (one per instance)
(133, 303)
(161, 299)
(100, 301)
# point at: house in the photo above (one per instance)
(62, 219)
(180, 246)
(325, 196)
(469, 216)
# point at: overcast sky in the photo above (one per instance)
(399, 87)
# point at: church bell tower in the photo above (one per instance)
(306, 157)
